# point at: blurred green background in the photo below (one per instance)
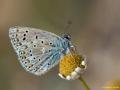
(95, 30)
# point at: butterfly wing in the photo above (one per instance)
(37, 50)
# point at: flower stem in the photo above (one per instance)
(84, 83)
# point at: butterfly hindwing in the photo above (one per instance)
(38, 51)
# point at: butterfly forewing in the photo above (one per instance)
(38, 51)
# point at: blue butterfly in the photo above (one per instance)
(38, 50)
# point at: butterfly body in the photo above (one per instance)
(37, 50)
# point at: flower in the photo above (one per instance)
(71, 66)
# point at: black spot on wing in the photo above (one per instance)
(36, 37)
(24, 35)
(41, 41)
(24, 38)
(26, 31)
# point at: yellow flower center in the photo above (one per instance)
(69, 62)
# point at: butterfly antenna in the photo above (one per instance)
(68, 25)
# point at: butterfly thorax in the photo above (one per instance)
(67, 45)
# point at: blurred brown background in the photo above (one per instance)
(95, 30)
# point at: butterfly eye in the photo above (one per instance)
(67, 36)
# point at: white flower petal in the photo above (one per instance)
(74, 75)
(68, 77)
(61, 76)
(78, 70)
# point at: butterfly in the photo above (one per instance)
(38, 51)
